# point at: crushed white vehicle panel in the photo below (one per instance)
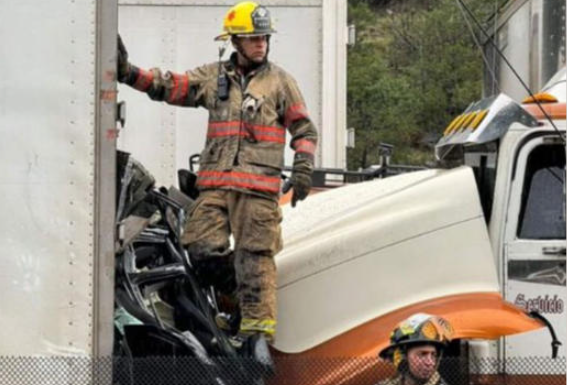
(361, 251)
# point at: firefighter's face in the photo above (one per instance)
(254, 48)
(422, 361)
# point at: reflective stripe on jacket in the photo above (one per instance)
(247, 132)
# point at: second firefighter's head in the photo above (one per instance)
(249, 26)
(416, 347)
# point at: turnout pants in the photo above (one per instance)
(254, 223)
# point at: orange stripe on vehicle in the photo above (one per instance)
(554, 110)
(474, 315)
(478, 315)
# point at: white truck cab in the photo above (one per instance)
(518, 156)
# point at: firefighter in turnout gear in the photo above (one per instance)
(251, 104)
(416, 347)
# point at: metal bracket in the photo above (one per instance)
(121, 113)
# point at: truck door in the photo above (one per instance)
(534, 245)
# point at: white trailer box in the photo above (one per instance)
(177, 35)
(57, 155)
(531, 35)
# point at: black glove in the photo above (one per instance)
(300, 179)
(123, 67)
(301, 186)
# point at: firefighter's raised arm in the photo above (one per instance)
(187, 89)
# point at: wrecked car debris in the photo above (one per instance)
(161, 310)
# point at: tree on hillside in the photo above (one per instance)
(414, 67)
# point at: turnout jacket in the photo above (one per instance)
(246, 133)
(436, 379)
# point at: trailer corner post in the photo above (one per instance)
(333, 126)
(105, 180)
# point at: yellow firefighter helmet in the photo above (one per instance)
(247, 18)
